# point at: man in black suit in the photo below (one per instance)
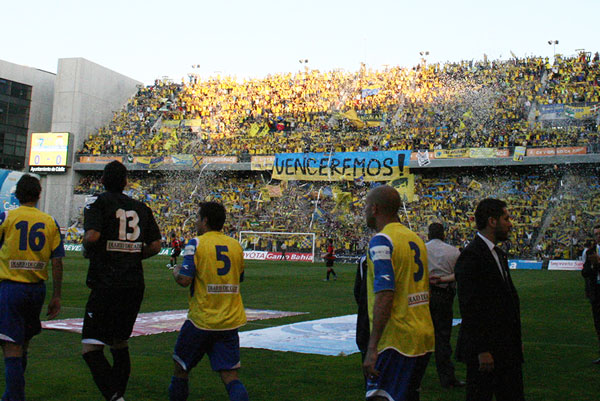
(490, 339)
(591, 274)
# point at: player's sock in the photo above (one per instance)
(101, 372)
(121, 368)
(15, 379)
(178, 390)
(328, 273)
(237, 391)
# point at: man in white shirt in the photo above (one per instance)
(441, 259)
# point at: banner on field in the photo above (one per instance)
(262, 163)
(331, 336)
(451, 153)
(161, 322)
(482, 153)
(524, 264)
(348, 166)
(519, 153)
(289, 256)
(565, 265)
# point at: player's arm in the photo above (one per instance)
(90, 238)
(380, 250)
(151, 249)
(184, 273)
(152, 235)
(92, 223)
(57, 276)
(56, 258)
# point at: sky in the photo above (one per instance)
(151, 39)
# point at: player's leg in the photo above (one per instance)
(93, 355)
(235, 388)
(14, 372)
(121, 368)
(225, 359)
(128, 305)
(395, 371)
(96, 333)
(189, 349)
(20, 307)
(179, 387)
(414, 384)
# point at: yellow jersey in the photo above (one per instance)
(397, 261)
(216, 263)
(29, 238)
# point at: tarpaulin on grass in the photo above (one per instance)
(161, 322)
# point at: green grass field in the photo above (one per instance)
(557, 329)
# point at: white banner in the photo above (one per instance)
(565, 265)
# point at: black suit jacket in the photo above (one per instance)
(489, 306)
(590, 274)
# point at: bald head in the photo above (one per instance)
(386, 198)
(382, 206)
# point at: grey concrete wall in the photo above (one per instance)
(42, 95)
(85, 97)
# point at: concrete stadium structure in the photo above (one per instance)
(79, 99)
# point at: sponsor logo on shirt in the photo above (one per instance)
(380, 253)
(419, 298)
(222, 288)
(26, 265)
(123, 246)
(189, 250)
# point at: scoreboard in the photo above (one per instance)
(48, 152)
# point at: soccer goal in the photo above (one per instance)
(268, 245)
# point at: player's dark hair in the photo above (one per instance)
(596, 227)
(114, 176)
(28, 189)
(215, 214)
(487, 208)
(436, 231)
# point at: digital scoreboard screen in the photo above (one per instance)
(48, 152)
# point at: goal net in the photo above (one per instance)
(265, 245)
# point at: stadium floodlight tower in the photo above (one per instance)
(553, 43)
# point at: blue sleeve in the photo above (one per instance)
(2, 217)
(59, 252)
(380, 252)
(188, 267)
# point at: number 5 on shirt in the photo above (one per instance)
(223, 258)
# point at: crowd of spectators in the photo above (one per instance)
(574, 210)
(335, 210)
(430, 106)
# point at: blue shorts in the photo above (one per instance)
(222, 347)
(399, 376)
(20, 308)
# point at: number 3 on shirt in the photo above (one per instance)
(223, 258)
(418, 276)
